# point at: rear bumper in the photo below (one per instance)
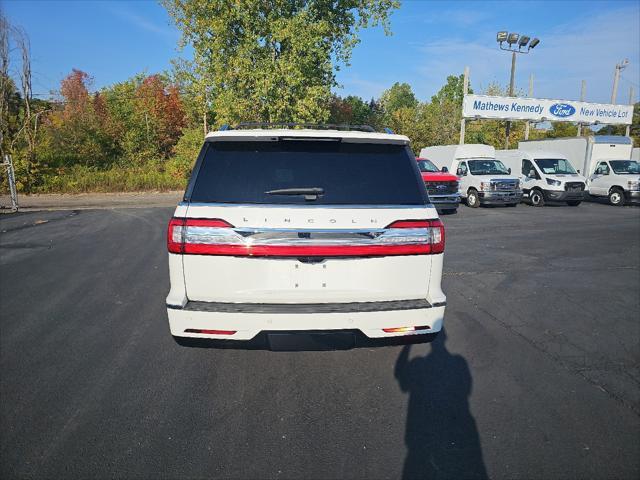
(306, 340)
(249, 320)
(499, 198)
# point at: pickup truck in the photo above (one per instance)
(442, 186)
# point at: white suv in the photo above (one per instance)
(314, 237)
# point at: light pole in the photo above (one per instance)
(616, 77)
(514, 40)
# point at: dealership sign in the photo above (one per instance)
(536, 109)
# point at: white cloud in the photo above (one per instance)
(353, 84)
(142, 22)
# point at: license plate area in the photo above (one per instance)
(251, 280)
(311, 341)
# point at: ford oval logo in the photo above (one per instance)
(562, 110)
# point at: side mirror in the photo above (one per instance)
(578, 171)
(459, 172)
(532, 174)
(509, 170)
(445, 169)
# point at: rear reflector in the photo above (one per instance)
(210, 332)
(405, 329)
(217, 237)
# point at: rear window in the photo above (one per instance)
(346, 173)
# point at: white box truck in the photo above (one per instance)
(604, 160)
(544, 176)
(483, 180)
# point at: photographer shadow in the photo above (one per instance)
(441, 434)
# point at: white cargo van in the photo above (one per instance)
(483, 179)
(604, 160)
(544, 176)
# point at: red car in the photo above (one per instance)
(442, 187)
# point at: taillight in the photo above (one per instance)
(218, 237)
(433, 229)
(185, 231)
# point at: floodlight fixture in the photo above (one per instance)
(523, 41)
(524, 44)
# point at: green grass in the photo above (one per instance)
(80, 179)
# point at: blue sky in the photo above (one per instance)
(579, 41)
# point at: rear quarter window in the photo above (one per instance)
(349, 173)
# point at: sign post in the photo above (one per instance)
(527, 125)
(583, 89)
(628, 130)
(465, 90)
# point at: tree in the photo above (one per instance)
(160, 105)
(452, 91)
(7, 87)
(443, 115)
(74, 89)
(274, 61)
(350, 110)
(400, 95)
(190, 78)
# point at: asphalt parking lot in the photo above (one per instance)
(538, 375)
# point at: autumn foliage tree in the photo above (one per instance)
(164, 116)
(76, 133)
(130, 123)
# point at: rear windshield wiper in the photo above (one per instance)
(310, 193)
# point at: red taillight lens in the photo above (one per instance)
(207, 223)
(210, 332)
(177, 233)
(435, 230)
(410, 224)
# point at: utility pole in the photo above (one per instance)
(616, 78)
(628, 129)
(583, 90)
(527, 125)
(465, 90)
